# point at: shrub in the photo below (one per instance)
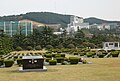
(75, 53)
(59, 51)
(49, 46)
(2, 52)
(8, 63)
(29, 48)
(18, 48)
(101, 55)
(57, 55)
(19, 62)
(38, 47)
(74, 60)
(115, 54)
(62, 55)
(82, 53)
(93, 53)
(52, 62)
(60, 59)
(1, 62)
(90, 54)
(71, 46)
(53, 55)
(47, 59)
(48, 55)
(60, 46)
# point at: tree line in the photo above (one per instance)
(46, 39)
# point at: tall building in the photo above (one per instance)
(76, 23)
(11, 28)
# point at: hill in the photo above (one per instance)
(93, 20)
(51, 18)
(42, 17)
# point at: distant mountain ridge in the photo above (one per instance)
(93, 20)
(51, 18)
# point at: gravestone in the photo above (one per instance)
(33, 63)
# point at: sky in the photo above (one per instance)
(104, 9)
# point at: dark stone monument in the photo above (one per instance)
(33, 63)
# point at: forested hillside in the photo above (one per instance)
(51, 18)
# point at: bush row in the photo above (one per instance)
(8, 63)
(71, 60)
(54, 55)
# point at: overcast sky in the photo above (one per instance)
(105, 9)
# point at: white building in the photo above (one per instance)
(76, 23)
(104, 26)
(111, 45)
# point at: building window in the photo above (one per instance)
(106, 45)
(116, 44)
(110, 43)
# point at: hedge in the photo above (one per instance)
(75, 53)
(19, 61)
(115, 54)
(62, 55)
(53, 55)
(82, 53)
(60, 59)
(52, 62)
(1, 62)
(89, 55)
(74, 60)
(8, 63)
(48, 55)
(47, 59)
(57, 55)
(101, 55)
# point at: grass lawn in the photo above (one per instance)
(107, 69)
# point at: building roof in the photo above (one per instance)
(32, 57)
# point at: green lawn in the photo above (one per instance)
(107, 69)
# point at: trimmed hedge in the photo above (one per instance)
(62, 55)
(82, 53)
(74, 60)
(53, 55)
(57, 55)
(19, 61)
(47, 59)
(8, 63)
(48, 55)
(1, 62)
(75, 53)
(60, 59)
(101, 55)
(90, 54)
(115, 54)
(52, 62)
